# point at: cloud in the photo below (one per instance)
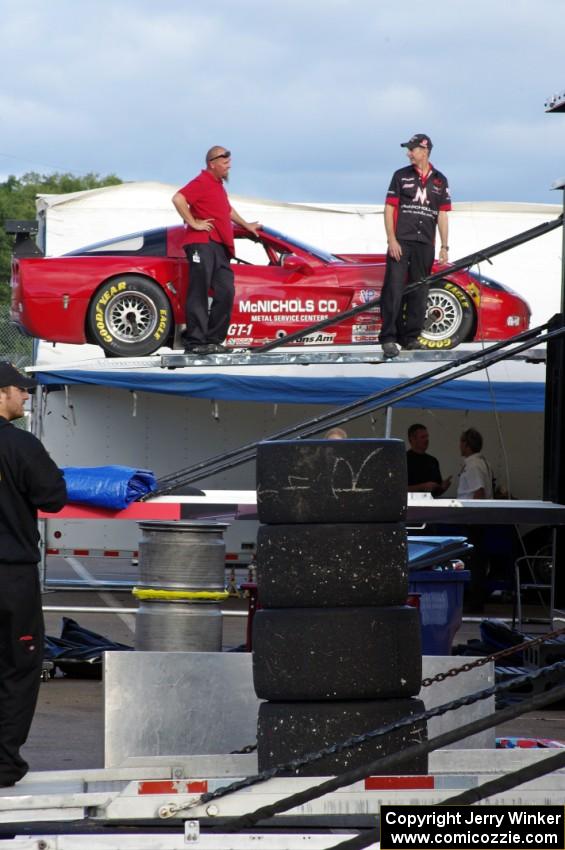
(314, 98)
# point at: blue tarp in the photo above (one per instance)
(113, 486)
(527, 396)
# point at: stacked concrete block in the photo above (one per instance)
(336, 652)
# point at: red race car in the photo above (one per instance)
(127, 295)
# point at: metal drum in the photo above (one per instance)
(178, 626)
(181, 579)
(182, 555)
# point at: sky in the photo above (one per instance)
(313, 97)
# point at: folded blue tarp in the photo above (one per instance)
(112, 487)
(424, 552)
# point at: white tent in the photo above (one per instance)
(533, 270)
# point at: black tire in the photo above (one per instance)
(331, 481)
(129, 316)
(450, 316)
(321, 566)
(287, 731)
(336, 653)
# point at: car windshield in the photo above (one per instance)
(320, 254)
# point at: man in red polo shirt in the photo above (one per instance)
(204, 207)
(417, 202)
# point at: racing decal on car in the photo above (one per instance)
(289, 310)
(364, 296)
(240, 330)
(101, 303)
(317, 339)
(365, 333)
(473, 290)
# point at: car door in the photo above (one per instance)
(278, 292)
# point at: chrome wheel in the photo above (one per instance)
(444, 315)
(131, 316)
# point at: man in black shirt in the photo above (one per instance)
(424, 475)
(417, 202)
(28, 480)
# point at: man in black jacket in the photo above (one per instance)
(29, 480)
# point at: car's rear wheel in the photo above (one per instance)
(450, 316)
(129, 316)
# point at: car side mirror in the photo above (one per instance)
(296, 263)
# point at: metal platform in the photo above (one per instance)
(329, 355)
(167, 792)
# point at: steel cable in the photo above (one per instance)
(394, 759)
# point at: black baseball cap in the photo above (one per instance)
(11, 377)
(419, 140)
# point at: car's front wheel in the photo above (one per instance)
(129, 316)
(450, 316)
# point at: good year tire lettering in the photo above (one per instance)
(162, 324)
(101, 303)
(437, 343)
(461, 296)
(109, 293)
(101, 325)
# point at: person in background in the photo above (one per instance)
(416, 204)
(204, 207)
(424, 474)
(29, 480)
(336, 434)
(475, 478)
(475, 482)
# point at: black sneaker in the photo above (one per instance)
(198, 348)
(390, 349)
(414, 345)
(217, 348)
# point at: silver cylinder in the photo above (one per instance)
(182, 555)
(178, 626)
(188, 557)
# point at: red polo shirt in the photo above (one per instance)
(208, 199)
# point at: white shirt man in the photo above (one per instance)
(475, 478)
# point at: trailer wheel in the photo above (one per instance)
(331, 481)
(450, 316)
(288, 731)
(336, 653)
(321, 565)
(129, 316)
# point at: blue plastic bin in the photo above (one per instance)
(441, 606)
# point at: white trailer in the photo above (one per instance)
(134, 412)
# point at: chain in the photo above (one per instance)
(480, 662)
(172, 808)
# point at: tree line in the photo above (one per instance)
(17, 201)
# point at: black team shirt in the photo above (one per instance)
(417, 201)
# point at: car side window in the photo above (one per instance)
(255, 252)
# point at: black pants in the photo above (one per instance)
(403, 315)
(21, 654)
(208, 269)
